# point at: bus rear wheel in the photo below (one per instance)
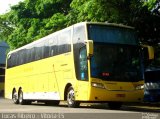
(71, 98)
(20, 98)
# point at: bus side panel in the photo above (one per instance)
(63, 71)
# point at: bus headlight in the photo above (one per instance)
(139, 87)
(97, 85)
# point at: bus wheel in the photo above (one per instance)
(114, 105)
(71, 98)
(15, 97)
(20, 98)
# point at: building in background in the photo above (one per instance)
(3, 48)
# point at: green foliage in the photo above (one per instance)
(129, 12)
(33, 19)
(5, 28)
(88, 10)
(150, 4)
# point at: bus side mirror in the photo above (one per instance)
(150, 52)
(89, 45)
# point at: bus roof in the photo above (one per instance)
(111, 24)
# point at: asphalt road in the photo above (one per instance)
(8, 110)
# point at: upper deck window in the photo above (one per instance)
(111, 34)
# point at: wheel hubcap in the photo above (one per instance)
(20, 97)
(15, 97)
(71, 97)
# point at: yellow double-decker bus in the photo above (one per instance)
(86, 62)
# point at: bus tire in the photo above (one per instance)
(71, 98)
(15, 97)
(114, 105)
(20, 98)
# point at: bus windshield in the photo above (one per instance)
(116, 53)
(112, 34)
(115, 62)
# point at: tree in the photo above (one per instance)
(5, 28)
(129, 12)
(35, 19)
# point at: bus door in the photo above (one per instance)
(83, 81)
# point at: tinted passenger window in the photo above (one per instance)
(39, 51)
(46, 48)
(53, 46)
(30, 54)
(64, 42)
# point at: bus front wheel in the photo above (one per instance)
(71, 98)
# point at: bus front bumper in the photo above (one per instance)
(98, 94)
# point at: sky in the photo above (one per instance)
(5, 5)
